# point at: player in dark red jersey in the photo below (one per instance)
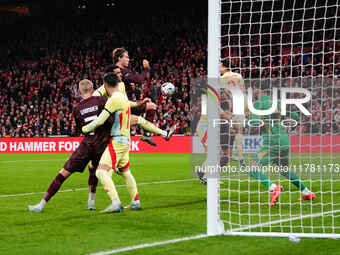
(90, 149)
(120, 58)
(135, 120)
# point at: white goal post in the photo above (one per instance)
(214, 224)
(290, 43)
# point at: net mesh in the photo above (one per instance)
(284, 44)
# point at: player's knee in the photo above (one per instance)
(151, 106)
(65, 173)
(101, 170)
(99, 173)
(90, 165)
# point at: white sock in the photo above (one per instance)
(306, 192)
(135, 202)
(92, 195)
(272, 187)
(42, 203)
(164, 133)
(116, 201)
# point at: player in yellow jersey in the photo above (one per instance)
(235, 133)
(116, 154)
(136, 120)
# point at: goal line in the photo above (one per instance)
(234, 232)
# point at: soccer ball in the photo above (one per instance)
(167, 89)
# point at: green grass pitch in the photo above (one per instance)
(174, 206)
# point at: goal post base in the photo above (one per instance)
(217, 229)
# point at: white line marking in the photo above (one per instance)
(80, 189)
(141, 246)
(232, 232)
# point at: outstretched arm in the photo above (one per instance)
(136, 77)
(113, 104)
(139, 103)
(100, 120)
(101, 91)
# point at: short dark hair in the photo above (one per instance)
(111, 79)
(225, 62)
(117, 53)
(111, 68)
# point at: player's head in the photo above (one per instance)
(262, 88)
(257, 94)
(116, 70)
(120, 57)
(224, 66)
(85, 88)
(265, 87)
(111, 82)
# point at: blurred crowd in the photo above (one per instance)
(41, 63)
(293, 58)
(44, 65)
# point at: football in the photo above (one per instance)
(167, 88)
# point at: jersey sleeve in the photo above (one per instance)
(121, 87)
(134, 76)
(103, 116)
(113, 104)
(133, 104)
(101, 91)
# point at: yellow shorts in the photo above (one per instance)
(116, 155)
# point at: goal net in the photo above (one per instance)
(274, 45)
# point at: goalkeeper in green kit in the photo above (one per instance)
(275, 150)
